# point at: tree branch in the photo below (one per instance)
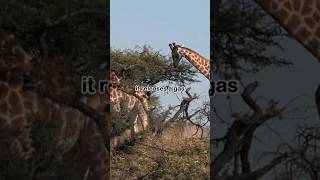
(239, 136)
(261, 171)
(246, 96)
(317, 97)
(99, 118)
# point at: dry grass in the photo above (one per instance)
(177, 154)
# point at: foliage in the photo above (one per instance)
(303, 157)
(158, 116)
(148, 66)
(120, 120)
(244, 35)
(71, 30)
(45, 153)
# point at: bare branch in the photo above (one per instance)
(261, 171)
(239, 136)
(317, 97)
(99, 118)
(246, 95)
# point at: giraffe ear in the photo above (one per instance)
(171, 47)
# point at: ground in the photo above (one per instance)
(175, 155)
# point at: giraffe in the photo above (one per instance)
(75, 141)
(300, 18)
(133, 101)
(198, 61)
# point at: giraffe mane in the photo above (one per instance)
(193, 52)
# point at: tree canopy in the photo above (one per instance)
(75, 31)
(148, 66)
(245, 34)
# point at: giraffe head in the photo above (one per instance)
(176, 53)
(198, 61)
(114, 79)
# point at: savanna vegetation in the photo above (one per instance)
(177, 142)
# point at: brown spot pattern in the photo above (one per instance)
(18, 122)
(16, 107)
(316, 16)
(296, 5)
(282, 14)
(28, 100)
(4, 108)
(294, 22)
(317, 33)
(274, 6)
(287, 5)
(4, 89)
(309, 22)
(314, 45)
(307, 7)
(303, 33)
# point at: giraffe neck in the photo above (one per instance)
(198, 61)
(301, 18)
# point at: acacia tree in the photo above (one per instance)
(302, 158)
(244, 34)
(72, 30)
(145, 66)
(69, 31)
